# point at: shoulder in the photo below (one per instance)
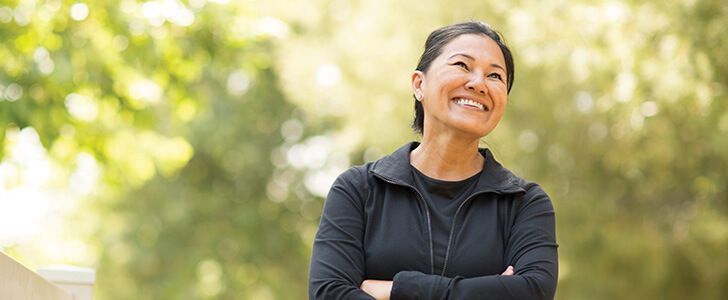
(533, 189)
(535, 197)
(390, 168)
(355, 176)
(528, 193)
(349, 191)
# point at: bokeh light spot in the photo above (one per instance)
(649, 109)
(238, 82)
(292, 130)
(528, 141)
(120, 43)
(81, 107)
(13, 92)
(6, 14)
(583, 101)
(79, 11)
(145, 89)
(328, 75)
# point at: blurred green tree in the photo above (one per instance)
(211, 183)
(618, 110)
(178, 106)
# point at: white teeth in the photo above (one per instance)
(469, 102)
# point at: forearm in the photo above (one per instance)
(535, 277)
(332, 289)
(382, 289)
(417, 285)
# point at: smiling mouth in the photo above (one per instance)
(469, 102)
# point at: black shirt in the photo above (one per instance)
(444, 198)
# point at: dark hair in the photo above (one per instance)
(439, 38)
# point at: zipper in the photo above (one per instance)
(427, 213)
(429, 221)
(452, 229)
(455, 221)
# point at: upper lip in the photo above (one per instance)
(487, 107)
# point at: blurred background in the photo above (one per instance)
(183, 149)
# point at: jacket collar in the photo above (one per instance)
(396, 168)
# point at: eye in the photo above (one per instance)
(496, 76)
(461, 64)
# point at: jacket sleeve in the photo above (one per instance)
(337, 258)
(531, 250)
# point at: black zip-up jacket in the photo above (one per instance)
(376, 225)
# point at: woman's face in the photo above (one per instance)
(464, 91)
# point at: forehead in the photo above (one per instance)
(478, 46)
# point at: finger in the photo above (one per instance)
(509, 271)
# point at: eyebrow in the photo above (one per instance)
(473, 58)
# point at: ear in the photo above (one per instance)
(417, 79)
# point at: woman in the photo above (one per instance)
(441, 219)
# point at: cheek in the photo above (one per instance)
(448, 78)
(499, 92)
(500, 99)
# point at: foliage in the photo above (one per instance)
(178, 108)
(618, 110)
(188, 145)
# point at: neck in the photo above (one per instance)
(447, 158)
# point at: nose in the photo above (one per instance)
(477, 84)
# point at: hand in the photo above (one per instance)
(508, 271)
(379, 289)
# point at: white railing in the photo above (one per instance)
(50, 283)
